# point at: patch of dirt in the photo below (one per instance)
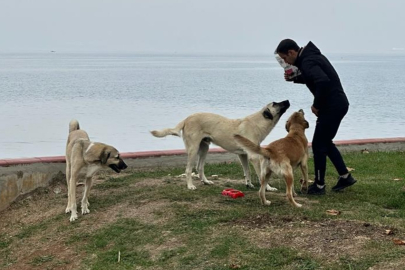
(171, 244)
(53, 255)
(148, 183)
(37, 206)
(47, 247)
(396, 265)
(146, 212)
(328, 239)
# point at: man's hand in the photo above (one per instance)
(314, 110)
(287, 77)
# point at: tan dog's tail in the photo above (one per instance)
(169, 131)
(74, 125)
(251, 148)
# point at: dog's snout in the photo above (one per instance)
(283, 104)
(122, 165)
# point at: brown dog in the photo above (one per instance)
(81, 153)
(282, 156)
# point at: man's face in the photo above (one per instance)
(290, 57)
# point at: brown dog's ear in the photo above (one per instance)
(104, 156)
(301, 111)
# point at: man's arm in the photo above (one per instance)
(320, 81)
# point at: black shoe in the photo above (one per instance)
(315, 190)
(344, 183)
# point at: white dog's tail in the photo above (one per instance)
(74, 125)
(251, 148)
(169, 131)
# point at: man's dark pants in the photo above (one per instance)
(326, 128)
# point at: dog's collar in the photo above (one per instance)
(88, 148)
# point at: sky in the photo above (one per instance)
(200, 26)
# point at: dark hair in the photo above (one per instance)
(286, 45)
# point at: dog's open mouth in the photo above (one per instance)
(115, 168)
(118, 168)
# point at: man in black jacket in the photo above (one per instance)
(330, 105)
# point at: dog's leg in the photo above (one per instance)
(192, 152)
(265, 174)
(67, 184)
(289, 180)
(246, 170)
(190, 162)
(202, 154)
(72, 183)
(85, 199)
(256, 166)
(204, 146)
(304, 171)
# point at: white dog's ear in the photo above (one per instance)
(301, 111)
(267, 114)
(104, 156)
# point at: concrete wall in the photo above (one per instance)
(22, 176)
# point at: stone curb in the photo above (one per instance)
(177, 152)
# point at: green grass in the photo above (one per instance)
(174, 228)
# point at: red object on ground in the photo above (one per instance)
(233, 193)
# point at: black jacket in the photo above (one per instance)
(321, 79)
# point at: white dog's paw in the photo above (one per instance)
(298, 205)
(207, 182)
(270, 188)
(73, 217)
(267, 202)
(250, 185)
(85, 210)
(191, 187)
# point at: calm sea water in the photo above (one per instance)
(119, 98)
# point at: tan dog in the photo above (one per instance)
(282, 156)
(199, 129)
(81, 153)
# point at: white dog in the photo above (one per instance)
(202, 128)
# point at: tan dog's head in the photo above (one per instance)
(110, 157)
(274, 110)
(107, 155)
(297, 119)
